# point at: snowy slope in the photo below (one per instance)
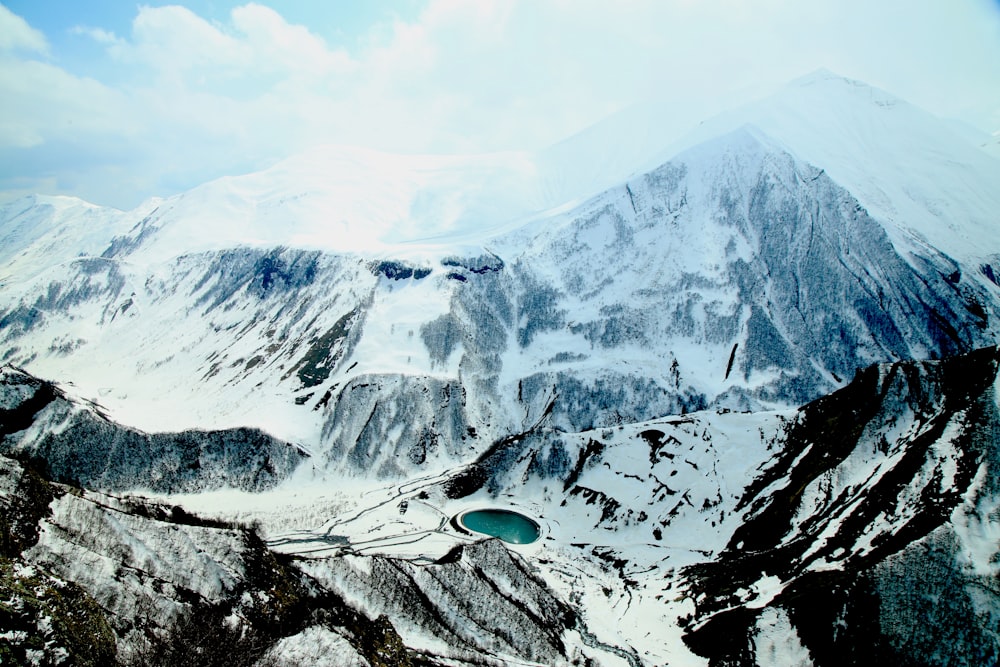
(300, 301)
(930, 180)
(39, 232)
(352, 348)
(914, 172)
(344, 199)
(682, 540)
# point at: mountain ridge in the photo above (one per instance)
(702, 241)
(759, 373)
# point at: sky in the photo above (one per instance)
(115, 101)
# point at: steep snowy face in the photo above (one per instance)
(930, 181)
(922, 177)
(733, 275)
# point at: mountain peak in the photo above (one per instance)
(820, 75)
(831, 83)
(913, 171)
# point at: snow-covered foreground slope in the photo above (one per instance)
(823, 535)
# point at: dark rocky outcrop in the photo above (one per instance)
(74, 442)
(872, 560)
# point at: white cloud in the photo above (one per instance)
(174, 39)
(194, 98)
(44, 103)
(278, 45)
(99, 35)
(16, 34)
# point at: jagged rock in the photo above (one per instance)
(485, 601)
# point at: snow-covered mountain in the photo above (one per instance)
(620, 354)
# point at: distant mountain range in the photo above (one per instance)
(745, 380)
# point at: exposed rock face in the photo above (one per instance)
(74, 442)
(385, 425)
(866, 514)
(481, 600)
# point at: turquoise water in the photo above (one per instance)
(508, 526)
